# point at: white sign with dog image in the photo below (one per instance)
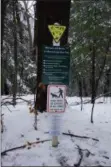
(56, 96)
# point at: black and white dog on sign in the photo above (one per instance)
(54, 95)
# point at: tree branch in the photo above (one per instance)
(83, 137)
(7, 107)
(73, 135)
(81, 157)
(85, 102)
(23, 146)
(4, 103)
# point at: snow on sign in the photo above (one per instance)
(56, 96)
(56, 31)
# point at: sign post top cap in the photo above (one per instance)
(56, 24)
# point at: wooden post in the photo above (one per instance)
(55, 138)
(55, 141)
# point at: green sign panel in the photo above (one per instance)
(55, 65)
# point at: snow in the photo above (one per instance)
(19, 130)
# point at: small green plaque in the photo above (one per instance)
(55, 65)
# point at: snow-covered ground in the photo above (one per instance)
(19, 130)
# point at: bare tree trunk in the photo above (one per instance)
(28, 23)
(93, 68)
(15, 53)
(3, 13)
(80, 92)
(107, 83)
(85, 88)
(38, 58)
(93, 79)
(96, 83)
(103, 65)
(4, 4)
(35, 53)
(35, 107)
(93, 74)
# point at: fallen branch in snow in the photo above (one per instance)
(23, 146)
(73, 135)
(15, 148)
(81, 157)
(7, 98)
(87, 152)
(84, 137)
(6, 102)
(8, 107)
(89, 101)
(28, 101)
(63, 161)
(105, 157)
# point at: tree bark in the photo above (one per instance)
(107, 81)
(103, 65)
(85, 88)
(3, 13)
(93, 79)
(15, 53)
(4, 4)
(28, 24)
(93, 74)
(80, 92)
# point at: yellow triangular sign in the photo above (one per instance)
(56, 31)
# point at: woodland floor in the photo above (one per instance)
(72, 150)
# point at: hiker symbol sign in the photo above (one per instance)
(56, 96)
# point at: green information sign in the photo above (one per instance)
(55, 65)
